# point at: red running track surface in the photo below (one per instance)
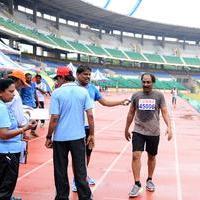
(177, 172)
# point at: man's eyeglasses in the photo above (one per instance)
(148, 82)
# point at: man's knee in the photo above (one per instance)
(137, 155)
(151, 157)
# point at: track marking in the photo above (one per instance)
(178, 179)
(110, 167)
(49, 161)
(116, 121)
(34, 169)
(110, 125)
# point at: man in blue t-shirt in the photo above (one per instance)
(83, 75)
(28, 94)
(68, 104)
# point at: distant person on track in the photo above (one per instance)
(83, 75)
(145, 107)
(174, 93)
(29, 98)
(68, 104)
(41, 90)
(10, 141)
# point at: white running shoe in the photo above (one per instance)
(91, 181)
(136, 191)
(150, 186)
(74, 188)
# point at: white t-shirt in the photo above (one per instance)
(174, 93)
(43, 87)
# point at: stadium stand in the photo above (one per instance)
(127, 56)
(135, 56)
(98, 51)
(173, 60)
(154, 58)
(191, 61)
(62, 43)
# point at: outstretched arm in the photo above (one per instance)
(109, 103)
(41, 90)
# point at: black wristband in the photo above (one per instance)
(48, 137)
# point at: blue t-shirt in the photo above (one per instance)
(28, 95)
(94, 93)
(7, 120)
(69, 102)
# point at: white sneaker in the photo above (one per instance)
(91, 181)
(136, 191)
(150, 186)
(74, 188)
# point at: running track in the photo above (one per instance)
(177, 173)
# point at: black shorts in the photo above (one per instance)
(173, 100)
(88, 151)
(143, 142)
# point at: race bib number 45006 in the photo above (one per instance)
(147, 104)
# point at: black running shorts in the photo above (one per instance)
(143, 142)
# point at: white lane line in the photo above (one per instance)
(49, 161)
(110, 167)
(178, 178)
(116, 121)
(110, 125)
(100, 115)
(35, 169)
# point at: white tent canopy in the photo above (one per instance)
(7, 64)
(98, 76)
(73, 68)
(6, 49)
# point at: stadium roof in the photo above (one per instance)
(96, 17)
(176, 12)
